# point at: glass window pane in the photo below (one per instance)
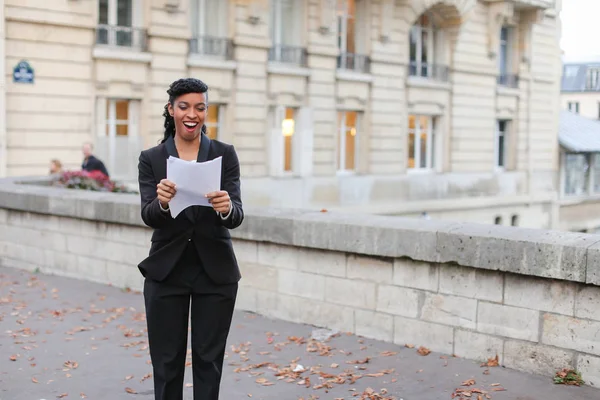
(212, 132)
(411, 149)
(288, 16)
(122, 130)
(124, 12)
(576, 174)
(212, 116)
(350, 148)
(122, 107)
(103, 12)
(288, 128)
(423, 150)
(414, 37)
(212, 18)
(501, 151)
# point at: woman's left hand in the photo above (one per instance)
(220, 201)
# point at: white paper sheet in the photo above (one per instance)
(193, 181)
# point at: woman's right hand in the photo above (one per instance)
(165, 191)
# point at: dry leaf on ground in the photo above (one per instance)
(423, 351)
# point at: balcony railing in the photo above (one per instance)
(121, 36)
(212, 46)
(508, 80)
(354, 62)
(289, 55)
(435, 72)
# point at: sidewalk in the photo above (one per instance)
(77, 339)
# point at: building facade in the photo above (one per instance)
(395, 107)
(580, 90)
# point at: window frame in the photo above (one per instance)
(432, 138)
(504, 135)
(505, 65)
(417, 29)
(341, 141)
(573, 104)
(113, 28)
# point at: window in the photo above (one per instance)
(573, 106)
(506, 76)
(348, 131)
(501, 141)
(209, 28)
(596, 172)
(498, 220)
(213, 120)
(592, 78)
(351, 36)
(421, 142)
(285, 32)
(291, 141)
(117, 23)
(577, 172)
(422, 37)
(118, 140)
(514, 220)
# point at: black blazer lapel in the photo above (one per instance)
(204, 146)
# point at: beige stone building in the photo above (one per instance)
(580, 90)
(381, 106)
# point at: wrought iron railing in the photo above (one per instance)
(289, 55)
(121, 36)
(436, 72)
(508, 80)
(212, 46)
(354, 62)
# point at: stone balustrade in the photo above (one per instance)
(532, 297)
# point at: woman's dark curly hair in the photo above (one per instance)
(178, 88)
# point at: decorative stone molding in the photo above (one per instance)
(137, 87)
(448, 9)
(527, 20)
(498, 14)
(102, 85)
(255, 10)
(172, 5)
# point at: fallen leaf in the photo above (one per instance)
(423, 351)
(34, 380)
(13, 357)
(128, 377)
(469, 382)
(130, 390)
(491, 362)
(189, 385)
(410, 346)
(82, 395)
(264, 382)
(60, 396)
(388, 353)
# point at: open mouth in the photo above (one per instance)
(190, 126)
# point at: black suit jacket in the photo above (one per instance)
(94, 164)
(202, 225)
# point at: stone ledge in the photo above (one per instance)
(548, 254)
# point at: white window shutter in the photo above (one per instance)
(276, 142)
(303, 143)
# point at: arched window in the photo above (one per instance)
(514, 220)
(422, 47)
(498, 220)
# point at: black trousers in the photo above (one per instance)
(167, 314)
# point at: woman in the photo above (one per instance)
(191, 256)
(55, 167)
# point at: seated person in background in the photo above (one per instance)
(55, 167)
(91, 163)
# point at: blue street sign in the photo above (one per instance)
(23, 73)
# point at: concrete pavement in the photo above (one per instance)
(76, 339)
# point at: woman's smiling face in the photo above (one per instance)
(189, 113)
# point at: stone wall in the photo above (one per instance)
(530, 296)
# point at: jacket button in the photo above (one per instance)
(190, 239)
